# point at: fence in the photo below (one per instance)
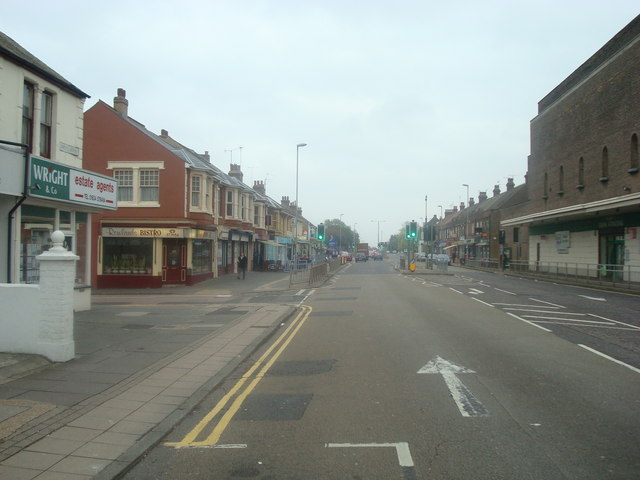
(604, 275)
(306, 273)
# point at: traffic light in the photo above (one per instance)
(407, 231)
(321, 231)
(414, 229)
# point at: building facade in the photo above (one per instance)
(44, 186)
(583, 180)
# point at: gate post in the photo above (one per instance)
(57, 278)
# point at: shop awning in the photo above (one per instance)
(269, 242)
(450, 246)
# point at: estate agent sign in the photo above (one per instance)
(52, 180)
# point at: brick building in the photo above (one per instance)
(583, 182)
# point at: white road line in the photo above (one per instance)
(522, 305)
(402, 450)
(637, 370)
(569, 320)
(457, 291)
(505, 291)
(530, 323)
(548, 303)
(635, 327)
(545, 311)
(475, 291)
(487, 304)
(597, 299)
(568, 323)
(300, 292)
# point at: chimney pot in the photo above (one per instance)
(496, 190)
(120, 103)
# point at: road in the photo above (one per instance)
(383, 375)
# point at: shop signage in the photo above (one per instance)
(143, 232)
(563, 241)
(59, 182)
(204, 234)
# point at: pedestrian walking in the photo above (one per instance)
(242, 265)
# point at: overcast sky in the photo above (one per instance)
(397, 99)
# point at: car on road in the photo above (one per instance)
(361, 257)
(377, 256)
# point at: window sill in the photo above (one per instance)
(603, 179)
(633, 170)
(545, 196)
(580, 186)
(560, 192)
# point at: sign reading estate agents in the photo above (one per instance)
(52, 180)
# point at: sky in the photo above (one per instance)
(400, 102)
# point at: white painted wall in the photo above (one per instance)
(38, 319)
(67, 112)
(582, 258)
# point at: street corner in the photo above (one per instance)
(16, 413)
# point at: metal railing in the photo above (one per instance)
(313, 273)
(604, 275)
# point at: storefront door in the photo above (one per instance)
(612, 252)
(174, 260)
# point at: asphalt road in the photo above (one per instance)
(383, 375)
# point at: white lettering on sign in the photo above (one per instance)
(50, 175)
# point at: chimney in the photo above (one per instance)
(207, 156)
(455, 209)
(496, 190)
(259, 187)
(235, 171)
(120, 103)
(510, 184)
(448, 212)
(482, 196)
(472, 202)
(461, 206)
(285, 202)
(164, 133)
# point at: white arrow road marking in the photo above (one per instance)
(468, 405)
(475, 291)
(597, 299)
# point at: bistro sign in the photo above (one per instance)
(155, 232)
(60, 182)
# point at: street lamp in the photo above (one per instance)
(295, 234)
(378, 245)
(466, 218)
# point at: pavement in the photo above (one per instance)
(144, 359)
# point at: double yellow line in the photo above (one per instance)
(257, 371)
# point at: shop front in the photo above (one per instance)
(150, 257)
(60, 198)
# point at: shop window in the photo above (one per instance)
(28, 95)
(127, 256)
(36, 227)
(46, 121)
(634, 162)
(201, 261)
(82, 247)
(195, 191)
(516, 234)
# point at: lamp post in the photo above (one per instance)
(354, 235)
(466, 218)
(378, 244)
(295, 233)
